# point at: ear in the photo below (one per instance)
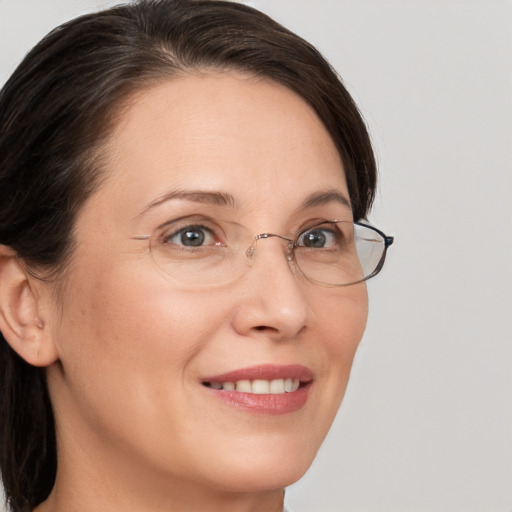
(22, 312)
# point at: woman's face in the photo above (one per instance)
(141, 352)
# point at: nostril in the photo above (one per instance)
(264, 328)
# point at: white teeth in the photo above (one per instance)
(276, 387)
(244, 386)
(259, 386)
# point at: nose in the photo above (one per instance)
(273, 302)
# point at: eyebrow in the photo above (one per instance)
(325, 197)
(198, 196)
(225, 199)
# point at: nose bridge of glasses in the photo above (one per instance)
(288, 242)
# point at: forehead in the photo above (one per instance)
(249, 137)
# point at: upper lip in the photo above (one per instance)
(264, 372)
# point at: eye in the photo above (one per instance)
(191, 236)
(319, 238)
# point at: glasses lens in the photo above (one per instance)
(339, 253)
(371, 248)
(200, 251)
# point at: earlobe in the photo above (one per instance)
(22, 319)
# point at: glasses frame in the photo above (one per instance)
(292, 244)
(388, 240)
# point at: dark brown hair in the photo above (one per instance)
(57, 110)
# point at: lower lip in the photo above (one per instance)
(273, 405)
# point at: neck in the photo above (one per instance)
(93, 499)
(104, 484)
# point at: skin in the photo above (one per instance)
(136, 429)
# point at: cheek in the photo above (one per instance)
(134, 320)
(137, 333)
(342, 317)
(123, 345)
(341, 321)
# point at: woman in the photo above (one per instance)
(180, 293)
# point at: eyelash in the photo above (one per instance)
(178, 227)
(335, 234)
(204, 233)
(211, 230)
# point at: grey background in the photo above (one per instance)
(427, 421)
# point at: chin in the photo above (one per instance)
(265, 477)
(264, 465)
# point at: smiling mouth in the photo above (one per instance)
(258, 386)
(265, 379)
(266, 389)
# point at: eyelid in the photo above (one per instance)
(189, 219)
(315, 223)
(319, 227)
(197, 219)
(324, 225)
(172, 228)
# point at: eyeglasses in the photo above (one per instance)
(201, 251)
